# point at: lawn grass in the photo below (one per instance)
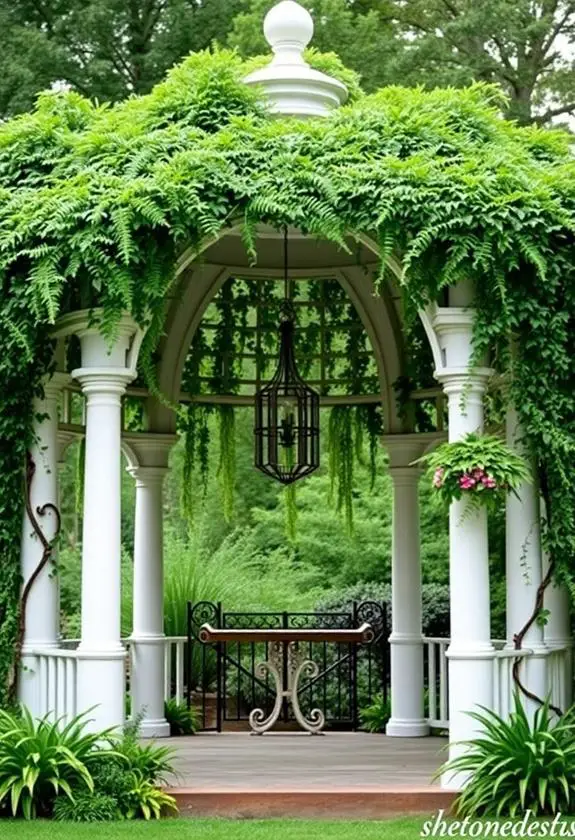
(190, 829)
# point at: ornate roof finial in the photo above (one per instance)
(288, 28)
(291, 85)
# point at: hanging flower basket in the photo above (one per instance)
(481, 469)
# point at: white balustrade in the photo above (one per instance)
(559, 671)
(437, 683)
(174, 654)
(503, 683)
(559, 667)
(57, 677)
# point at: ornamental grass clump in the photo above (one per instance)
(481, 469)
(518, 765)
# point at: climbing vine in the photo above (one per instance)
(98, 202)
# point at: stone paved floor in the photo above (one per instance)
(294, 761)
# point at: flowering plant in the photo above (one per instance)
(478, 468)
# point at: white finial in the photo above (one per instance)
(292, 87)
(288, 28)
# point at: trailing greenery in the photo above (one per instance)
(341, 460)
(215, 366)
(481, 469)
(98, 201)
(227, 463)
(518, 765)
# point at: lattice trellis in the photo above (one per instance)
(235, 348)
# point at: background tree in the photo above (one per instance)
(526, 46)
(106, 49)
(363, 34)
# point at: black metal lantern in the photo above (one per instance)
(287, 410)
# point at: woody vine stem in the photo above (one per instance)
(537, 608)
(47, 550)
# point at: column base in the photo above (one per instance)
(155, 729)
(398, 728)
(101, 688)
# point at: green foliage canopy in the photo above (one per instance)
(98, 201)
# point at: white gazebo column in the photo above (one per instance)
(524, 573)
(42, 619)
(104, 375)
(407, 689)
(470, 652)
(148, 639)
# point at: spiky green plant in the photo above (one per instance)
(153, 762)
(148, 801)
(41, 759)
(518, 764)
(375, 716)
(183, 721)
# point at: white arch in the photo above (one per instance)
(200, 282)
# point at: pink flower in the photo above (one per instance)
(478, 473)
(438, 477)
(489, 482)
(467, 482)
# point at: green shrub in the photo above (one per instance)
(434, 596)
(153, 762)
(183, 721)
(518, 765)
(113, 778)
(374, 718)
(40, 759)
(86, 807)
(124, 782)
(147, 800)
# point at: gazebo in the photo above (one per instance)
(475, 670)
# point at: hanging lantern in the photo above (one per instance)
(287, 410)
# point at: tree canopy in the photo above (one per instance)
(107, 49)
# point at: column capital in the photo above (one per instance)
(102, 381)
(148, 476)
(149, 449)
(97, 349)
(403, 450)
(457, 380)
